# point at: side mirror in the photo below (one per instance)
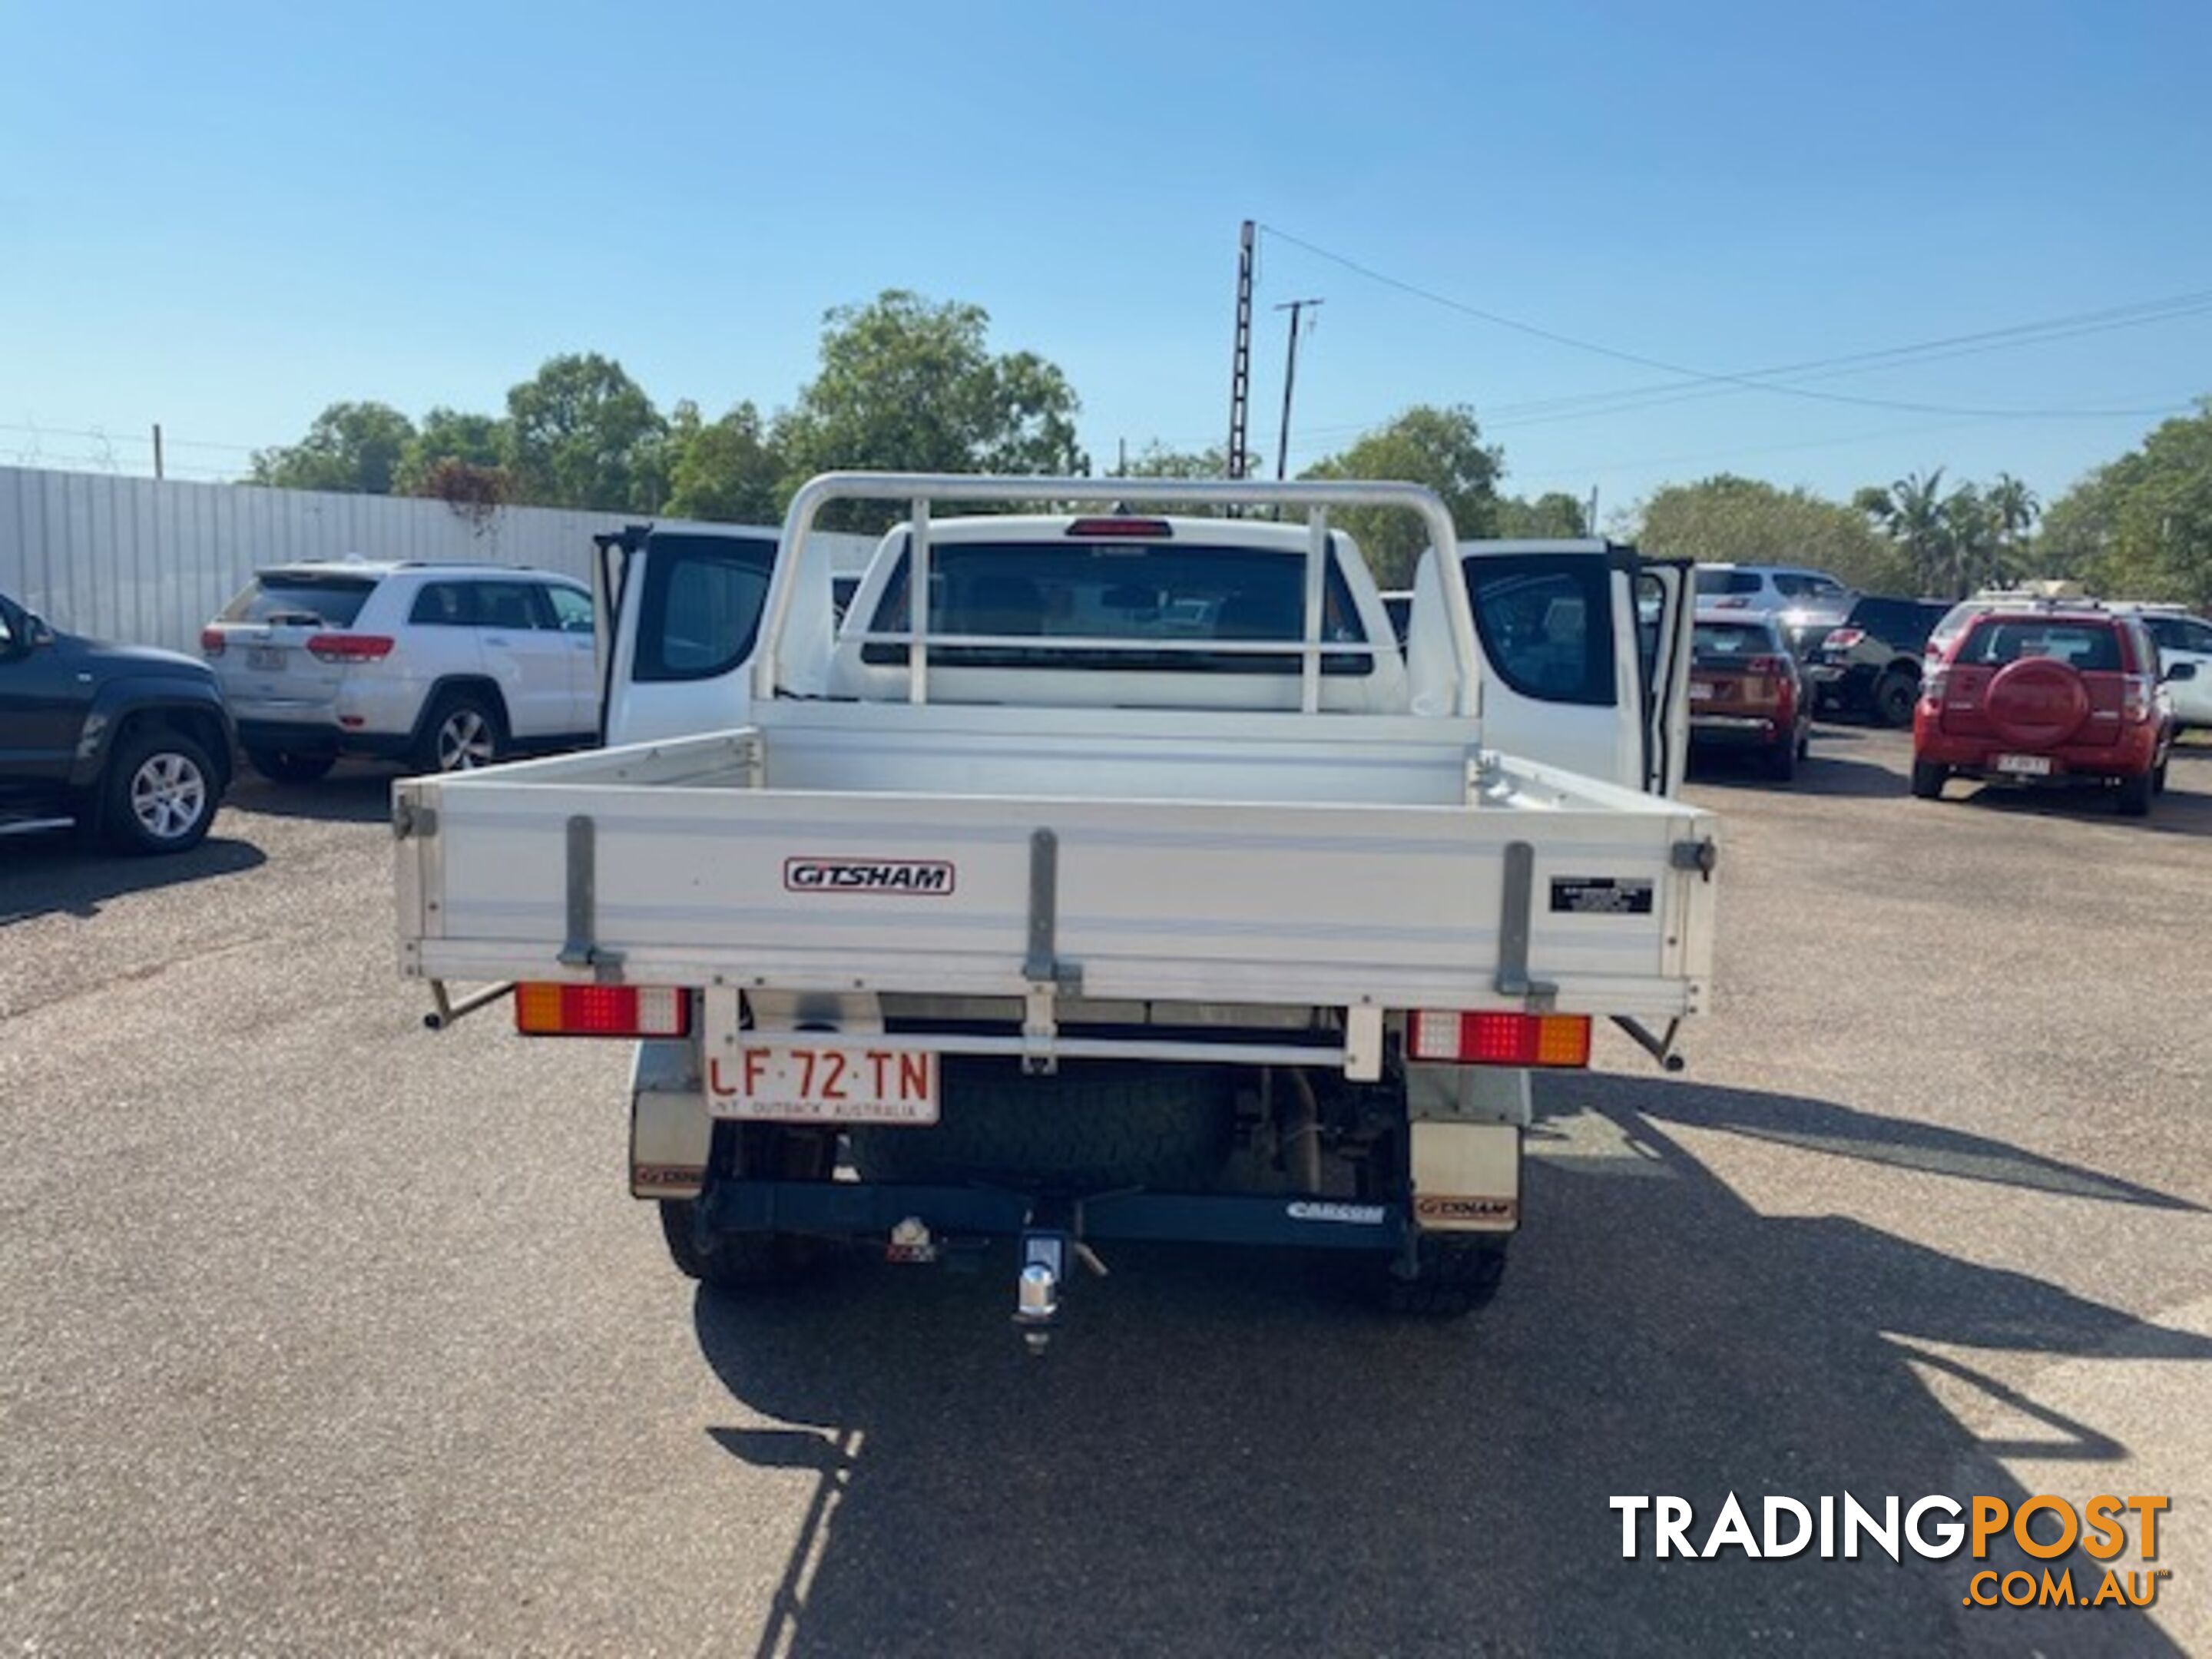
(2179, 670)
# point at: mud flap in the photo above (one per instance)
(671, 1135)
(1467, 1178)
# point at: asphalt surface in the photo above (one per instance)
(320, 1332)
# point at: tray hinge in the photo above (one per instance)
(1513, 924)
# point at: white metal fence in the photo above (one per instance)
(148, 561)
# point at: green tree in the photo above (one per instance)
(1911, 510)
(352, 447)
(1726, 520)
(909, 385)
(1441, 448)
(1552, 516)
(1156, 460)
(581, 432)
(726, 470)
(447, 435)
(2141, 528)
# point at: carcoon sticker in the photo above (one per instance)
(1358, 1215)
(931, 877)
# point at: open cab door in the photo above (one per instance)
(1585, 648)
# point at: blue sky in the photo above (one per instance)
(222, 217)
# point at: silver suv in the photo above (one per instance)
(445, 666)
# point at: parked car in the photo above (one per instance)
(1746, 691)
(125, 740)
(2047, 694)
(1998, 598)
(446, 666)
(1869, 663)
(2181, 638)
(1770, 587)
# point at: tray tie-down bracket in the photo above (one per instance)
(581, 949)
(1046, 976)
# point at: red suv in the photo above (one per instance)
(2045, 695)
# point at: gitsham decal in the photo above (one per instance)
(929, 877)
(1602, 896)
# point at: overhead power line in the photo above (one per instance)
(1757, 380)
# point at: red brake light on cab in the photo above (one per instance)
(1486, 1037)
(349, 648)
(616, 1011)
(1150, 530)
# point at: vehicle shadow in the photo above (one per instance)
(2185, 808)
(43, 875)
(1228, 1454)
(1821, 773)
(356, 792)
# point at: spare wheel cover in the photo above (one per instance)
(2038, 702)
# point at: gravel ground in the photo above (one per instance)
(320, 1332)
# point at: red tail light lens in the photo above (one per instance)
(616, 1011)
(1770, 667)
(211, 641)
(1932, 681)
(1841, 639)
(349, 648)
(2134, 697)
(1497, 1039)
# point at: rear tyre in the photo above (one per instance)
(1455, 1275)
(160, 794)
(751, 1261)
(2133, 797)
(731, 1261)
(288, 766)
(1782, 760)
(1094, 1125)
(1893, 697)
(464, 731)
(1929, 779)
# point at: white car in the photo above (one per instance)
(1770, 587)
(446, 666)
(2181, 638)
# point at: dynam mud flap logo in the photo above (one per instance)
(929, 877)
(1452, 1210)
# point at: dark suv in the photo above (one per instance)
(131, 742)
(1869, 663)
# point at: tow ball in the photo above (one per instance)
(1045, 1255)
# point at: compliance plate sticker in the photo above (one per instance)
(1602, 896)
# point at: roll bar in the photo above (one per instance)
(921, 490)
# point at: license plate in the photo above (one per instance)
(798, 1082)
(269, 657)
(1701, 690)
(2025, 766)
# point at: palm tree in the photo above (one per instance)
(2011, 507)
(1912, 510)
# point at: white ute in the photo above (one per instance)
(1142, 888)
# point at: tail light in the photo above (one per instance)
(614, 1010)
(1738, 603)
(1772, 668)
(1933, 679)
(1499, 1039)
(2134, 697)
(1841, 639)
(211, 641)
(349, 648)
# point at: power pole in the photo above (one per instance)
(1592, 526)
(1240, 358)
(157, 451)
(1295, 307)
